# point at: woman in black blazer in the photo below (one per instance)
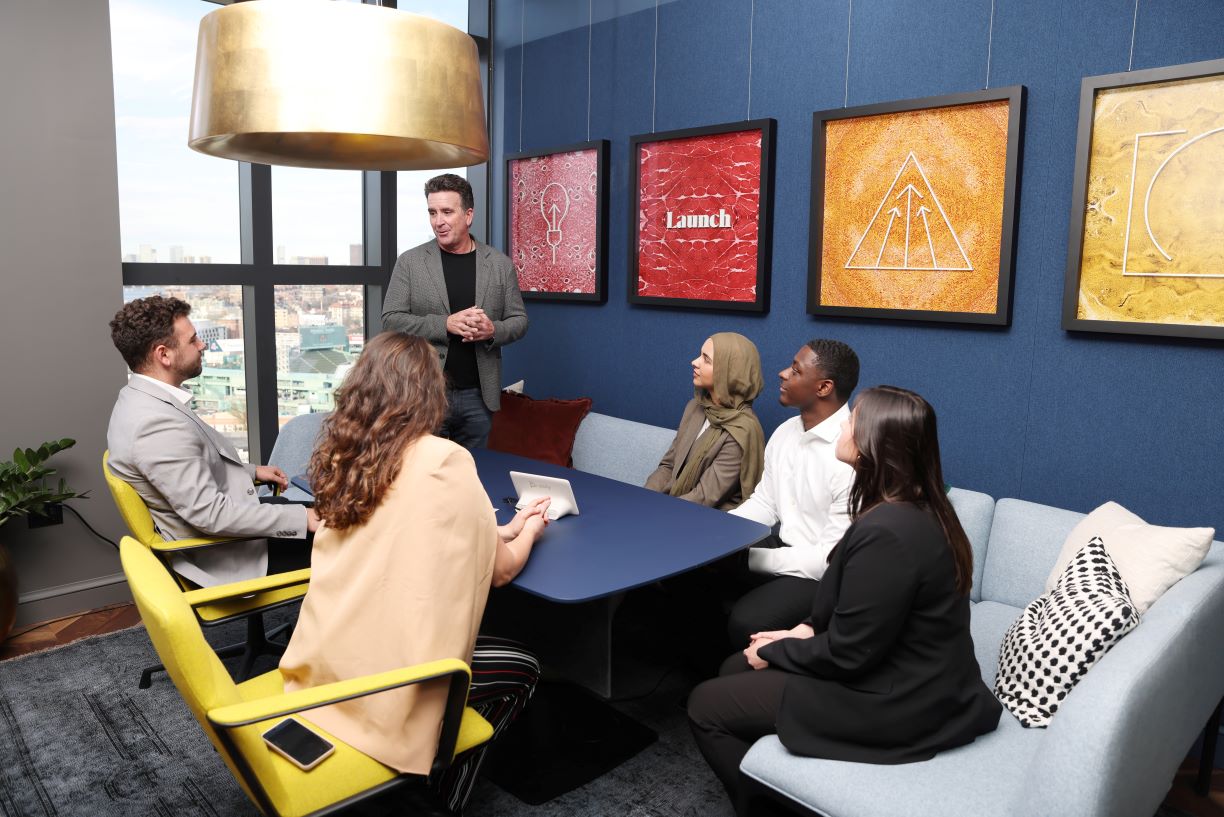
(883, 671)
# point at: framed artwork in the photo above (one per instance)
(556, 222)
(1146, 250)
(914, 208)
(702, 202)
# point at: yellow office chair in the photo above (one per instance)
(235, 716)
(247, 599)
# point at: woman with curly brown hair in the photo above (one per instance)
(402, 564)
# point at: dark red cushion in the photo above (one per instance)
(540, 429)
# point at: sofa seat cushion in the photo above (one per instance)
(1062, 634)
(976, 779)
(988, 622)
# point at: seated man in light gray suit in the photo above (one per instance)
(191, 477)
(463, 297)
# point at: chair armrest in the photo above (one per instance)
(289, 703)
(234, 590)
(276, 488)
(176, 545)
(1115, 744)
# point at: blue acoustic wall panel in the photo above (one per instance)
(1028, 410)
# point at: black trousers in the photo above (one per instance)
(286, 555)
(777, 603)
(729, 713)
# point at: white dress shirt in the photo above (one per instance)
(807, 489)
(177, 392)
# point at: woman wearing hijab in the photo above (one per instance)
(717, 456)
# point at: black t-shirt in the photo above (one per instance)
(459, 269)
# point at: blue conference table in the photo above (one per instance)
(623, 537)
(580, 569)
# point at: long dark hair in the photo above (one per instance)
(394, 395)
(898, 445)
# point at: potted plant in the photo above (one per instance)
(24, 491)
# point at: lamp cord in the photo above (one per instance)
(77, 514)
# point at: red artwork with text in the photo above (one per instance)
(553, 221)
(698, 209)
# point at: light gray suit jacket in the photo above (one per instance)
(417, 303)
(194, 484)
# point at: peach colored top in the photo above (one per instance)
(408, 586)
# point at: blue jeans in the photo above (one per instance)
(468, 420)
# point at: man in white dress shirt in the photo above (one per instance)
(191, 477)
(805, 490)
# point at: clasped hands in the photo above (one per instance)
(471, 324)
(758, 640)
(533, 519)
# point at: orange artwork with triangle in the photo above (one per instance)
(913, 209)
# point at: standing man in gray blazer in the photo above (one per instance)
(463, 297)
(190, 477)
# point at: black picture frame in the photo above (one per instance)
(602, 154)
(768, 130)
(1015, 95)
(1089, 88)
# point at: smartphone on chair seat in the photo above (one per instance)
(298, 744)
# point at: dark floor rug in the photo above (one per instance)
(78, 738)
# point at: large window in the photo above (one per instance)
(175, 205)
(284, 267)
(219, 393)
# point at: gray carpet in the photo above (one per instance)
(78, 738)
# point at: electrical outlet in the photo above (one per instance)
(52, 515)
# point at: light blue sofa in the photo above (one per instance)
(1110, 751)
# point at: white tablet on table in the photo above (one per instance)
(531, 487)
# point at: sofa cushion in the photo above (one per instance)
(1025, 538)
(539, 429)
(981, 778)
(988, 622)
(620, 449)
(1060, 635)
(1150, 558)
(975, 512)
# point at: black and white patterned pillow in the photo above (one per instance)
(1059, 636)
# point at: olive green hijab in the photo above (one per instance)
(737, 382)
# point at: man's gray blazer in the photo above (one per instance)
(195, 484)
(417, 304)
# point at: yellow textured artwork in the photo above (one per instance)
(1153, 210)
(916, 208)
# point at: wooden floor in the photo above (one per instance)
(66, 630)
(34, 638)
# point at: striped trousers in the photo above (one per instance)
(504, 675)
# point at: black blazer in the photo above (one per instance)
(890, 676)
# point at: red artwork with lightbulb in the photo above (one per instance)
(702, 217)
(555, 220)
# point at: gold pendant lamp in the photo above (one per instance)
(316, 83)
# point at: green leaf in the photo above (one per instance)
(19, 457)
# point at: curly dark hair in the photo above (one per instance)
(394, 395)
(840, 364)
(449, 182)
(143, 325)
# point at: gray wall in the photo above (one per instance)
(60, 281)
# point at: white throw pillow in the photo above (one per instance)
(1059, 636)
(1150, 558)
